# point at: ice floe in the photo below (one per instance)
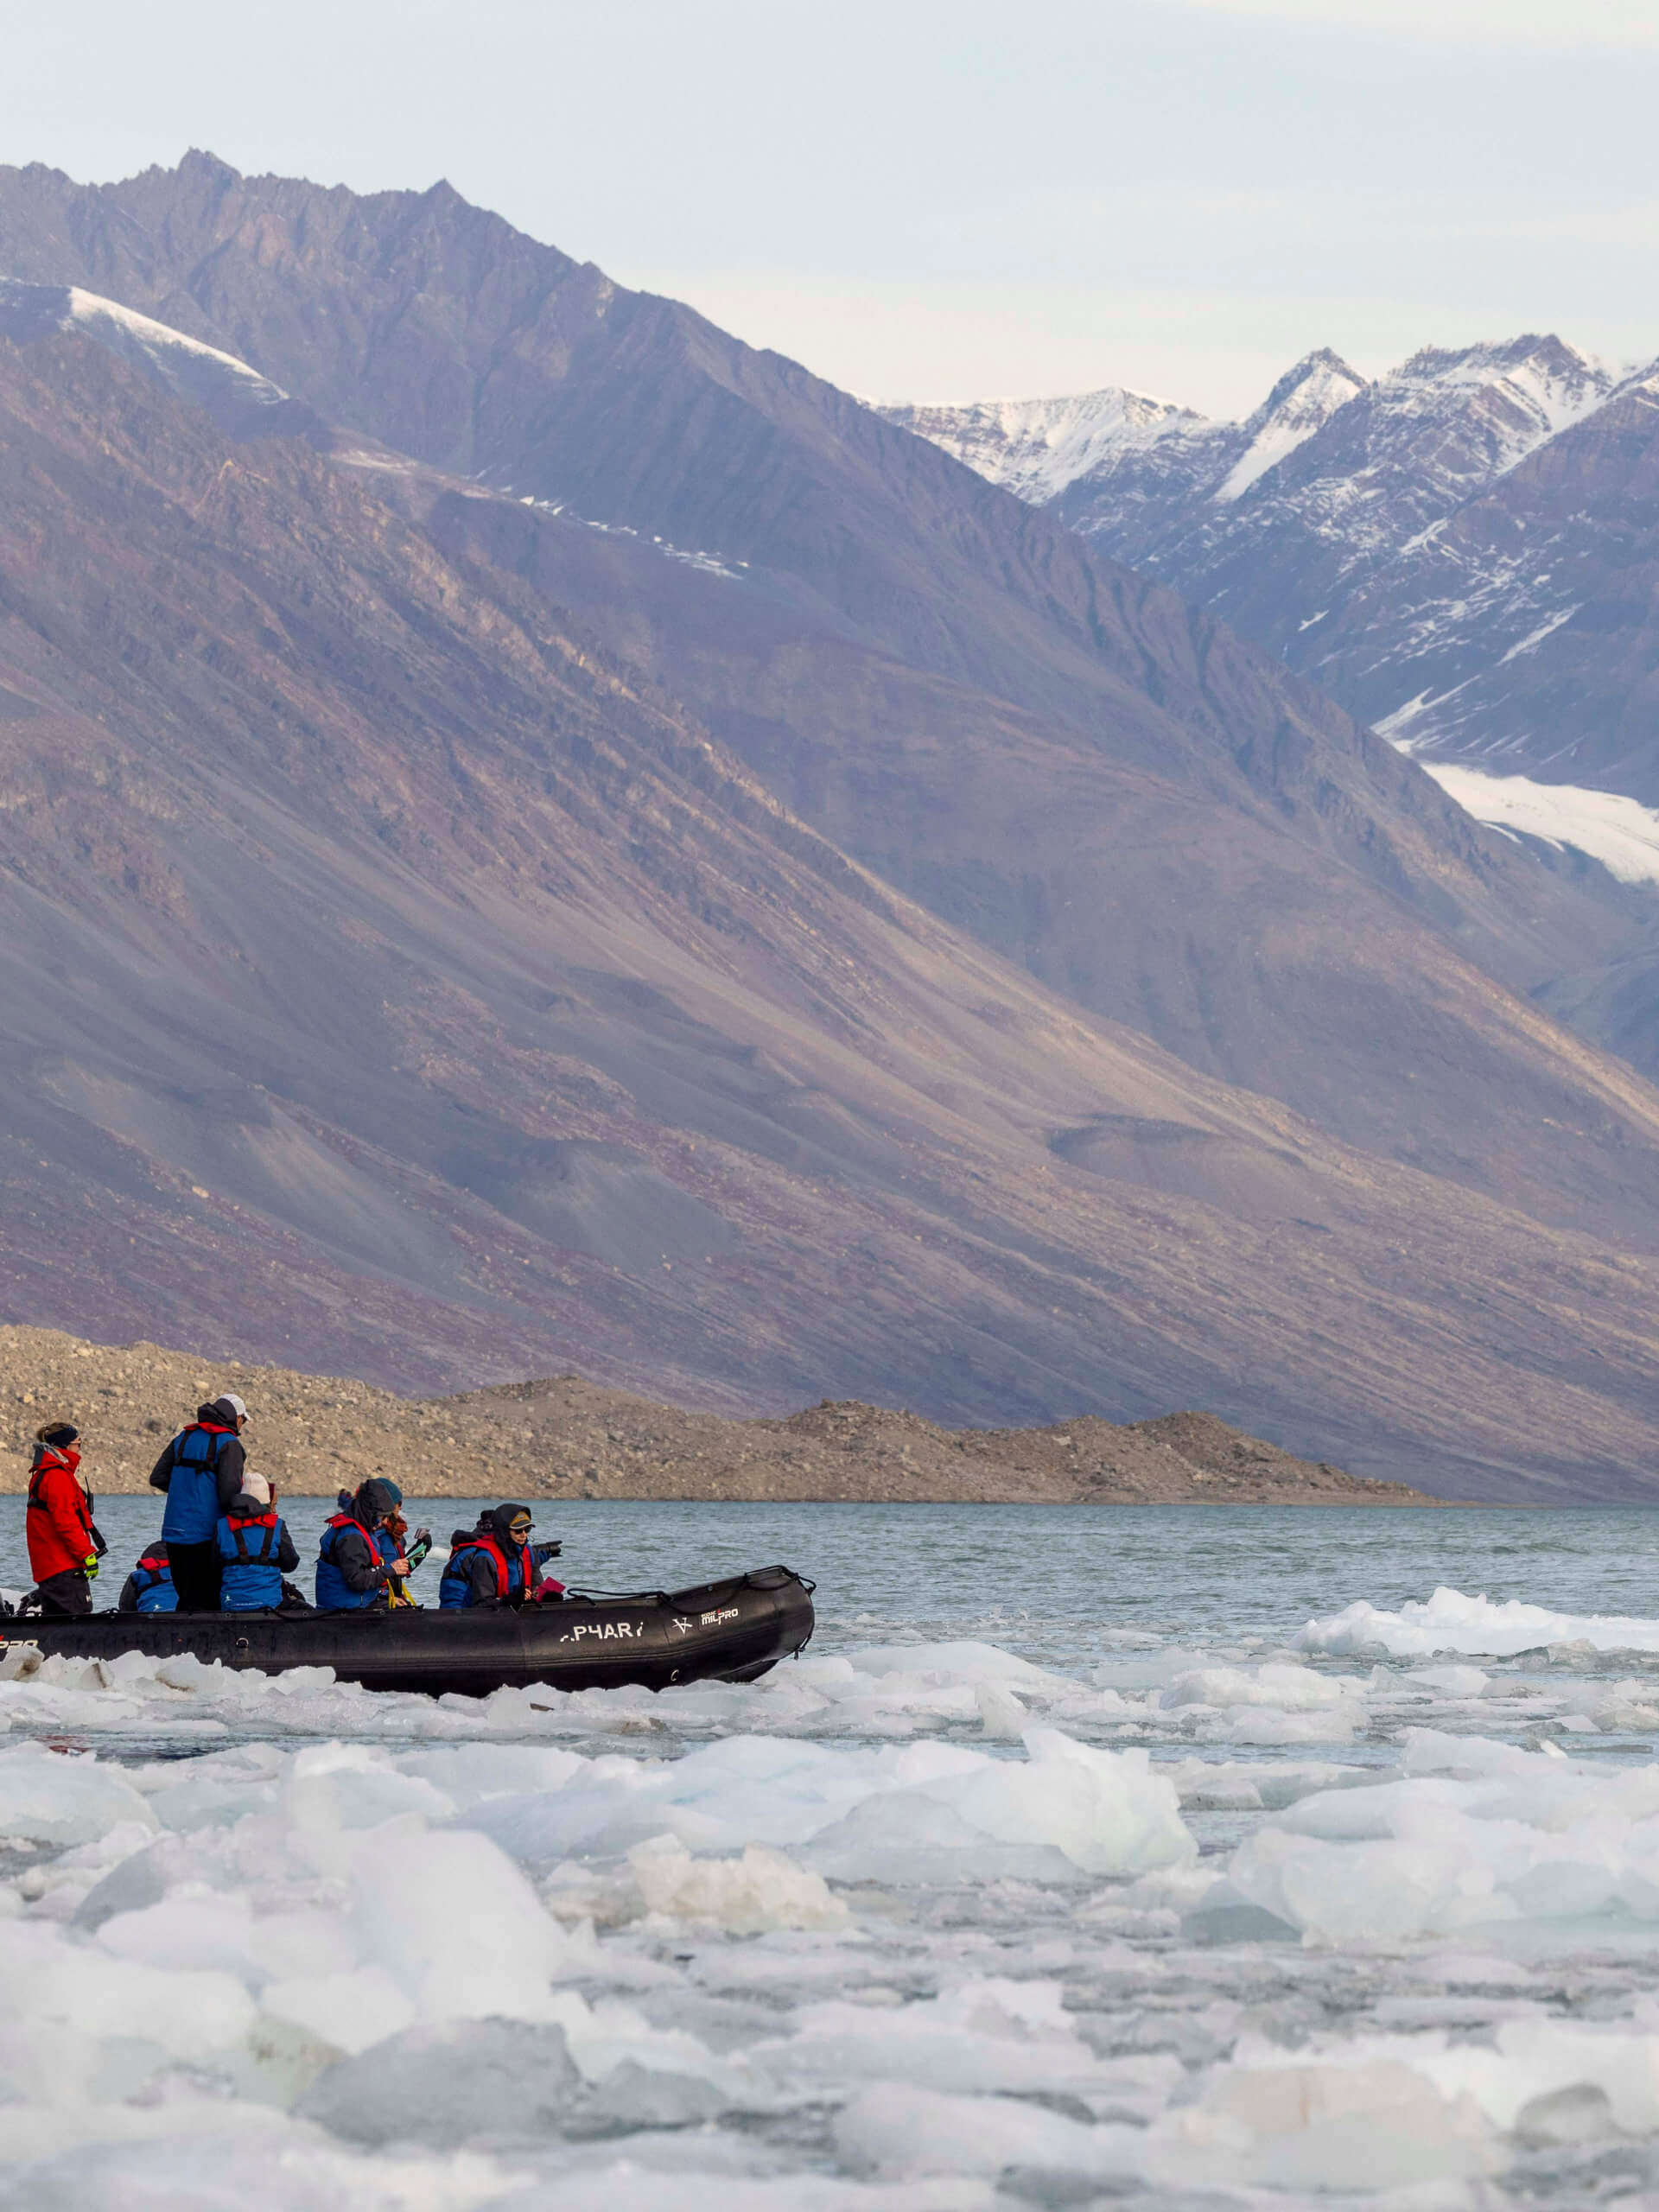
(1450, 1621)
(911, 1927)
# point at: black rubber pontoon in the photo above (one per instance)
(730, 1632)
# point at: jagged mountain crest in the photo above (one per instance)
(1460, 553)
(1298, 406)
(1037, 447)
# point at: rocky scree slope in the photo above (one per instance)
(392, 978)
(567, 1438)
(1047, 751)
(535, 1028)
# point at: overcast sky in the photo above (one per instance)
(949, 198)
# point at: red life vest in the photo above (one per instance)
(503, 1565)
(60, 1515)
(236, 1521)
(526, 1582)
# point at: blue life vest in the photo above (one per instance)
(192, 1514)
(250, 1578)
(332, 1594)
(455, 1588)
(152, 1583)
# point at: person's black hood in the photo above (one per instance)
(501, 1519)
(375, 1498)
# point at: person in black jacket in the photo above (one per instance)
(496, 1564)
(352, 1576)
(201, 1472)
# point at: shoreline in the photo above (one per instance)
(564, 1437)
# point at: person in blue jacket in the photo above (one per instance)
(201, 1472)
(255, 1551)
(496, 1564)
(352, 1576)
(149, 1589)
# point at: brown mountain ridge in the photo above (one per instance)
(418, 956)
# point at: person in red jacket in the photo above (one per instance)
(63, 1545)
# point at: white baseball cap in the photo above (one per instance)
(229, 1398)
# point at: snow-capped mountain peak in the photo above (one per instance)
(1037, 447)
(1303, 401)
(1522, 392)
(1045, 448)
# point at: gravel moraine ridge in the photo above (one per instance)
(565, 1437)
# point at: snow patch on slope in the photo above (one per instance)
(196, 371)
(1619, 832)
(158, 347)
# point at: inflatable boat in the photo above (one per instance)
(730, 1631)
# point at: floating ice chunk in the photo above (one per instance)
(1069, 1806)
(86, 1989)
(467, 1774)
(686, 2169)
(57, 1797)
(1431, 1751)
(1233, 1785)
(1266, 1724)
(193, 1927)
(455, 1924)
(1001, 1713)
(926, 1812)
(965, 1662)
(348, 2011)
(763, 1889)
(608, 2033)
(990, 2033)
(1450, 1621)
(1282, 2120)
(1449, 1681)
(176, 2155)
(1225, 1915)
(137, 1880)
(905, 2132)
(1286, 1688)
(1275, 1703)
(343, 1786)
(1476, 1835)
(459, 2082)
(633, 2096)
